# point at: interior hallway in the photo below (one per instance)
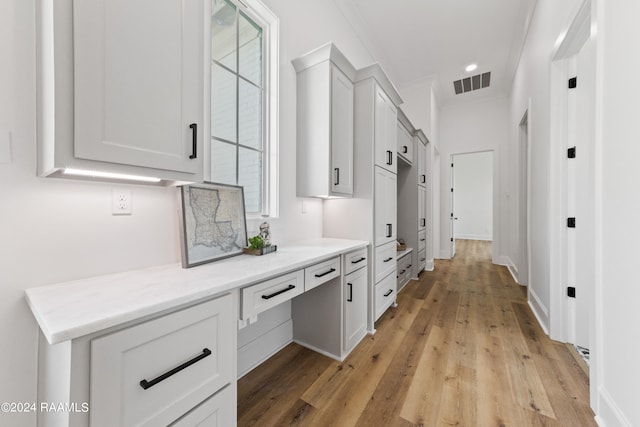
(462, 348)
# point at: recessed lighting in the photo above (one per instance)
(109, 175)
(471, 67)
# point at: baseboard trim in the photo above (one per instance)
(475, 237)
(539, 310)
(609, 413)
(430, 265)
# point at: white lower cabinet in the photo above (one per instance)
(355, 308)
(153, 373)
(404, 269)
(385, 294)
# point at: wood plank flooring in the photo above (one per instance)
(461, 349)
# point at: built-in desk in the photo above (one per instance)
(111, 341)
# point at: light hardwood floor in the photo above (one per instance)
(461, 349)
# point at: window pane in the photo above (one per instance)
(250, 50)
(250, 112)
(223, 162)
(223, 103)
(223, 33)
(251, 179)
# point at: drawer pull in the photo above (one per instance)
(360, 260)
(148, 384)
(350, 299)
(326, 272)
(423, 259)
(275, 294)
(389, 292)
(389, 230)
(402, 272)
(422, 240)
(404, 149)
(388, 259)
(409, 266)
(423, 179)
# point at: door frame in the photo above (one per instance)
(524, 247)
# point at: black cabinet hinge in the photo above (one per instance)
(573, 82)
(571, 222)
(571, 153)
(571, 292)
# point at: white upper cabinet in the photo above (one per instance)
(405, 144)
(385, 136)
(421, 154)
(325, 96)
(124, 87)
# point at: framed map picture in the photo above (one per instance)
(213, 224)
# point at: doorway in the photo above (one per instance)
(523, 201)
(472, 197)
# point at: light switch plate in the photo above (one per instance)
(5, 146)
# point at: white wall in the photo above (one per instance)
(473, 196)
(531, 89)
(618, 175)
(57, 230)
(467, 128)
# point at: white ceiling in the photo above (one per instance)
(436, 39)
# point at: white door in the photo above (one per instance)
(452, 214)
(139, 89)
(385, 204)
(341, 132)
(355, 308)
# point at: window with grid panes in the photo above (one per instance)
(239, 112)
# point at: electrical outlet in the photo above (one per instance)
(121, 202)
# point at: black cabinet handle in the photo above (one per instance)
(409, 266)
(402, 272)
(350, 298)
(389, 292)
(404, 149)
(423, 178)
(388, 259)
(326, 272)
(360, 260)
(389, 230)
(337, 181)
(423, 259)
(422, 240)
(194, 140)
(423, 222)
(389, 157)
(148, 384)
(278, 293)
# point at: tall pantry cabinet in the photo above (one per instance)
(371, 214)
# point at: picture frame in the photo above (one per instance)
(213, 223)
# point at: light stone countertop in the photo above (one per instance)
(69, 310)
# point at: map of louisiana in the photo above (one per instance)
(214, 222)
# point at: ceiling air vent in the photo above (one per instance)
(479, 81)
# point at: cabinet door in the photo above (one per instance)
(405, 143)
(385, 206)
(139, 82)
(385, 131)
(422, 163)
(355, 308)
(341, 133)
(422, 208)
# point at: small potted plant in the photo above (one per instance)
(258, 247)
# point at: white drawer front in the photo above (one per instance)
(385, 260)
(199, 339)
(355, 260)
(422, 240)
(385, 294)
(263, 296)
(321, 273)
(422, 259)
